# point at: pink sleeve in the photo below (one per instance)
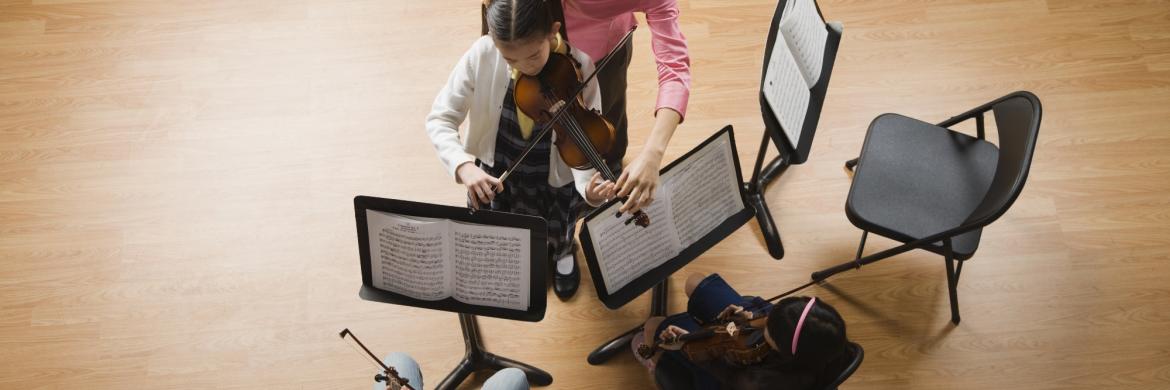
(670, 51)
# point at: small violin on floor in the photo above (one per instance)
(728, 341)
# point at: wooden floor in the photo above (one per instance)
(176, 184)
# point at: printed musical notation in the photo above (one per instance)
(433, 259)
(795, 65)
(695, 197)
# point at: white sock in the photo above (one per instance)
(565, 265)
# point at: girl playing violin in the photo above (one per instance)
(522, 36)
(804, 338)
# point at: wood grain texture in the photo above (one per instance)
(176, 182)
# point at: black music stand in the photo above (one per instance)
(659, 276)
(475, 357)
(789, 153)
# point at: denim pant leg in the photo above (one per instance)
(507, 379)
(407, 369)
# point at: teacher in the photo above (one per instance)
(596, 27)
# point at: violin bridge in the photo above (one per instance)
(557, 106)
(732, 329)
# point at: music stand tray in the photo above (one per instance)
(789, 153)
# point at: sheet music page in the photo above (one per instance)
(625, 252)
(704, 190)
(805, 35)
(492, 265)
(786, 92)
(407, 256)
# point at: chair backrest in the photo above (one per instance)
(1017, 117)
(855, 354)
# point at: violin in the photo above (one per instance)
(393, 381)
(728, 341)
(389, 375)
(584, 137)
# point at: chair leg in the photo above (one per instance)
(958, 271)
(953, 282)
(861, 246)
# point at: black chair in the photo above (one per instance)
(854, 354)
(934, 188)
(671, 375)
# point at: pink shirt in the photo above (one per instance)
(596, 26)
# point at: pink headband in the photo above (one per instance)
(800, 324)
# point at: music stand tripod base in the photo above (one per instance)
(476, 359)
(620, 343)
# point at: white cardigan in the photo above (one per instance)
(477, 87)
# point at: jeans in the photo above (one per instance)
(506, 379)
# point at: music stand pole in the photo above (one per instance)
(754, 189)
(476, 358)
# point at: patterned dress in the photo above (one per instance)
(527, 190)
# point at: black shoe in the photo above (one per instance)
(566, 285)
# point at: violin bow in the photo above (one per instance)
(557, 116)
(790, 292)
(388, 373)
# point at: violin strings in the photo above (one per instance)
(579, 138)
(583, 143)
(594, 157)
(598, 162)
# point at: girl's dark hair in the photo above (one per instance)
(518, 20)
(822, 338)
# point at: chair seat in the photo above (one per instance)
(915, 179)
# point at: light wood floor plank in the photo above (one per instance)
(176, 182)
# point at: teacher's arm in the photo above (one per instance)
(640, 178)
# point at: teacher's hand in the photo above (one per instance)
(638, 181)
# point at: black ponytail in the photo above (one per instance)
(822, 337)
(519, 20)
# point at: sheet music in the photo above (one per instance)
(492, 265)
(805, 35)
(407, 255)
(625, 252)
(786, 91)
(798, 54)
(697, 195)
(704, 190)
